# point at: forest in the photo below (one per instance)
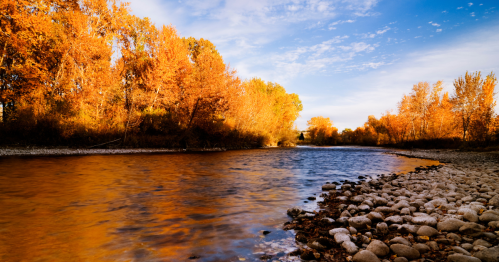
(426, 118)
(80, 73)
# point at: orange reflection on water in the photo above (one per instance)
(163, 207)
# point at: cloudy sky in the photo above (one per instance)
(346, 59)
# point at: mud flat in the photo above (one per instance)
(436, 213)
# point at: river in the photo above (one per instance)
(170, 207)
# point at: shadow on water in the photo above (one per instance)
(168, 207)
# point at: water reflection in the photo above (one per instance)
(166, 207)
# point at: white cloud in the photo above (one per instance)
(382, 31)
(444, 12)
(375, 93)
(419, 26)
(470, 4)
(460, 7)
(439, 30)
(332, 26)
(417, 36)
(472, 14)
(434, 24)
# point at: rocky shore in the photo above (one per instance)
(437, 213)
(70, 151)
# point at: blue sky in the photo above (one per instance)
(347, 59)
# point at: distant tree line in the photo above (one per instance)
(85, 72)
(426, 117)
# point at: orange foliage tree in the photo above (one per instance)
(79, 72)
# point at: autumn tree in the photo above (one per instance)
(466, 99)
(322, 131)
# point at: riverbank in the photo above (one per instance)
(437, 213)
(72, 151)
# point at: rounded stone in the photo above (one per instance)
(451, 224)
(427, 231)
(421, 248)
(328, 187)
(333, 231)
(489, 215)
(378, 248)
(462, 258)
(359, 222)
(424, 221)
(489, 254)
(350, 247)
(341, 237)
(365, 256)
(382, 228)
(400, 240)
(405, 251)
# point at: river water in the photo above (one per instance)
(169, 207)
